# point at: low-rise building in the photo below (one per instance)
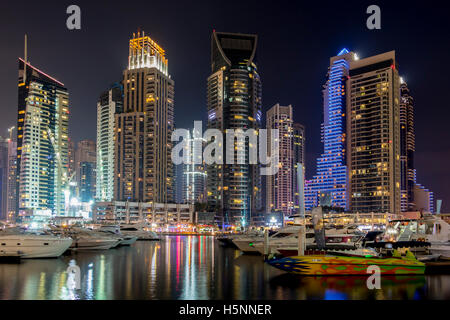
(158, 214)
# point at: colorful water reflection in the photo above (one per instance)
(197, 268)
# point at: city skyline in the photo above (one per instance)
(426, 171)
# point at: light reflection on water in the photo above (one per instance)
(194, 267)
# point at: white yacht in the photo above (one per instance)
(288, 238)
(85, 239)
(251, 243)
(430, 228)
(126, 240)
(27, 245)
(335, 241)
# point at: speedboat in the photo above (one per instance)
(334, 264)
(27, 245)
(335, 249)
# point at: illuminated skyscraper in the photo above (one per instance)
(143, 146)
(299, 157)
(279, 187)
(407, 148)
(85, 163)
(329, 186)
(414, 197)
(373, 130)
(42, 142)
(11, 206)
(71, 157)
(194, 175)
(3, 178)
(109, 104)
(234, 102)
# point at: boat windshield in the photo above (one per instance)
(129, 229)
(281, 235)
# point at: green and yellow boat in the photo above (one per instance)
(332, 265)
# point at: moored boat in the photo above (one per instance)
(26, 245)
(327, 265)
(140, 231)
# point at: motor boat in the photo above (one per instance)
(334, 249)
(289, 244)
(337, 264)
(227, 240)
(28, 245)
(430, 230)
(140, 231)
(86, 239)
(112, 230)
(251, 243)
(288, 238)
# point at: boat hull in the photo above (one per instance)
(246, 245)
(93, 244)
(34, 248)
(142, 235)
(128, 241)
(316, 265)
(442, 250)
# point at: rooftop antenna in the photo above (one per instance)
(26, 60)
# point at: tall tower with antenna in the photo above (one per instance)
(42, 142)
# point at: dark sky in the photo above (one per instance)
(296, 40)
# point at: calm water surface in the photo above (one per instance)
(194, 267)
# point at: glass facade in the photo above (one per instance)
(234, 102)
(329, 186)
(42, 142)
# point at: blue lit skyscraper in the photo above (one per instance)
(329, 186)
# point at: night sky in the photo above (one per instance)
(296, 40)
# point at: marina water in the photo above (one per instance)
(194, 267)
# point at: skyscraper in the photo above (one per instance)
(42, 142)
(11, 206)
(109, 104)
(71, 158)
(85, 164)
(279, 187)
(234, 102)
(329, 186)
(3, 178)
(414, 197)
(194, 175)
(407, 148)
(373, 130)
(299, 157)
(143, 164)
